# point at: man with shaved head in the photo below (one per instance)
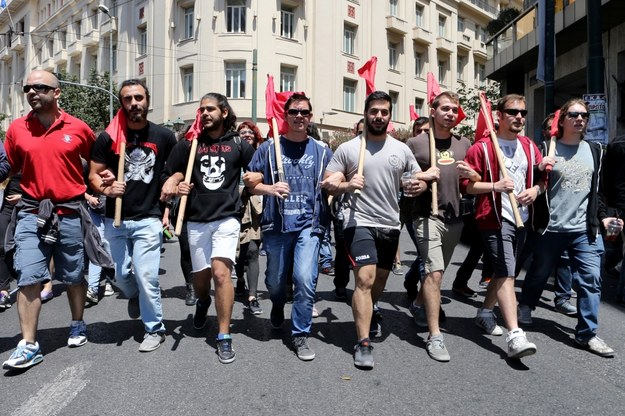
(46, 146)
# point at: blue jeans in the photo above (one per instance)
(563, 285)
(585, 262)
(95, 271)
(325, 250)
(138, 242)
(301, 249)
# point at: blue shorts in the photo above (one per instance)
(32, 255)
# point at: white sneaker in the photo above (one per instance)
(487, 320)
(315, 312)
(518, 345)
(108, 289)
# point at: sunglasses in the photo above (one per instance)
(296, 111)
(575, 114)
(514, 111)
(38, 88)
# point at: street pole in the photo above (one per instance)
(105, 10)
(254, 84)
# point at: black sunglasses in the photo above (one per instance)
(575, 114)
(38, 88)
(514, 111)
(296, 111)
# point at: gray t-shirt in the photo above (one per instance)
(516, 165)
(569, 187)
(385, 161)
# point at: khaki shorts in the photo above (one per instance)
(436, 242)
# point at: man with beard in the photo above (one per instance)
(213, 209)
(437, 236)
(47, 146)
(295, 216)
(503, 241)
(371, 224)
(136, 244)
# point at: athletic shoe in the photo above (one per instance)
(518, 345)
(597, 346)
(363, 357)
(46, 295)
(484, 282)
(524, 315)
(397, 270)
(25, 355)
(152, 341)
(225, 352)
(486, 320)
(254, 307)
(189, 297)
(328, 270)
(134, 310)
(92, 297)
(466, 291)
(108, 289)
(566, 307)
(201, 313)
(276, 316)
(375, 329)
(435, 347)
(340, 293)
(315, 312)
(418, 313)
(77, 334)
(302, 349)
(5, 301)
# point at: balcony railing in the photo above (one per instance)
(483, 4)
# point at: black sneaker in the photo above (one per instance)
(5, 301)
(254, 307)
(302, 349)
(241, 289)
(134, 311)
(201, 313)
(363, 358)
(340, 293)
(277, 316)
(225, 352)
(190, 298)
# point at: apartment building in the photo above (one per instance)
(186, 48)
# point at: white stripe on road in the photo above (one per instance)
(53, 397)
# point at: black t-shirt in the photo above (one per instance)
(216, 175)
(147, 151)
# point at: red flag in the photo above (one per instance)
(413, 113)
(554, 124)
(367, 71)
(117, 130)
(196, 128)
(274, 105)
(461, 116)
(481, 128)
(433, 88)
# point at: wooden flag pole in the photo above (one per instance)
(117, 219)
(187, 178)
(434, 184)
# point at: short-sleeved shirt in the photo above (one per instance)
(516, 166)
(147, 151)
(50, 158)
(385, 161)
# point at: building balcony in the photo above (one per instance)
(479, 49)
(421, 35)
(106, 27)
(445, 45)
(47, 64)
(5, 54)
(74, 48)
(91, 38)
(396, 25)
(18, 43)
(60, 57)
(464, 42)
(480, 8)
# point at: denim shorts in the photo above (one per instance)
(32, 255)
(370, 245)
(208, 240)
(503, 246)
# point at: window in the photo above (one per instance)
(392, 55)
(189, 13)
(460, 68)
(142, 40)
(460, 24)
(50, 48)
(113, 8)
(287, 23)
(442, 71)
(480, 75)
(235, 15)
(287, 78)
(115, 57)
(418, 106)
(394, 100)
(442, 26)
(419, 15)
(419, 62)
(63, 40)
(480, 34)
(393, 7)
(187, 83)
(349, 95)
(235, 79)
(349, 39)
(77, 33)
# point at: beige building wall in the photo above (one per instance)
(185, 48)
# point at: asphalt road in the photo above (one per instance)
(108, 376)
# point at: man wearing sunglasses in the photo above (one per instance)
(47, 146)
(295, 216)
(503, 241)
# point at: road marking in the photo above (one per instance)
(53, 397)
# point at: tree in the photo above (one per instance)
(88, 104)
(505, 16)
(470, 102)
(2, 132)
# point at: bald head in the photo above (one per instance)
(43, 77)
